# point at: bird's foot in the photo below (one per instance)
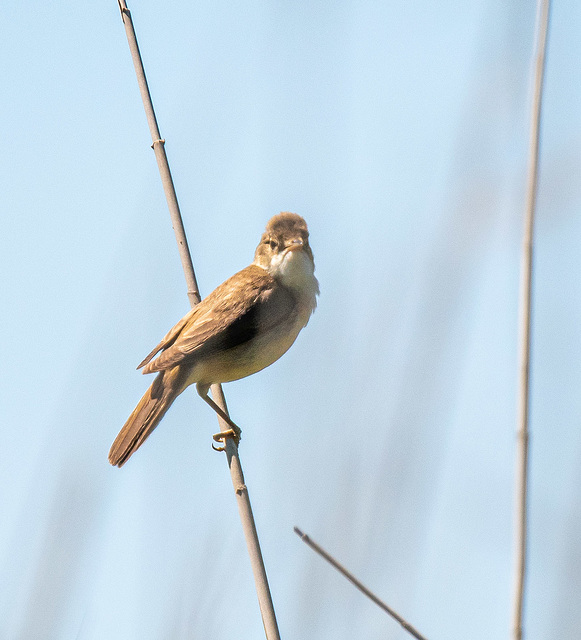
(233, 433)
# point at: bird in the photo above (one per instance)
(245, 324)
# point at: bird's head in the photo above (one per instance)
(284, 250)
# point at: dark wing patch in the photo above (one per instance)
(232, 314)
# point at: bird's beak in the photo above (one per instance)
(296, 244)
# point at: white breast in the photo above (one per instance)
(296, 271)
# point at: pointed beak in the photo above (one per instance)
(296, 244)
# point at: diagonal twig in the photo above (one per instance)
(241, 491)
(525, 324)
(341, 569)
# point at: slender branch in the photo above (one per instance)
(241, 491)
(341, 569)
(525, 324)
(162, 163)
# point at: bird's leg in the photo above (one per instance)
(233, 432)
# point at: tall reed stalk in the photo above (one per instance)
(240, 489)
(525, 325)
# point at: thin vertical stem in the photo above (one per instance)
(240, 489)
(158, 145)
(525, 324)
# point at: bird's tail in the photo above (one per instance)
(146, 416)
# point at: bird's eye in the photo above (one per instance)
(271, 243)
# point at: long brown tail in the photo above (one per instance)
(146, 415)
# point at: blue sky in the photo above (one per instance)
(399, 131)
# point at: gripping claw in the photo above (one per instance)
(221, 437)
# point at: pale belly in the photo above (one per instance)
(246, 359)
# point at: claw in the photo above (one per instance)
(233, 432)
(222, 435)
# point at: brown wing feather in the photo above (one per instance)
(170, 337)
(229, 316)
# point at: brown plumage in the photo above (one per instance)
(147, 414)
(224, 320)
(244, 325)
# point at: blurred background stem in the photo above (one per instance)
(525, 324)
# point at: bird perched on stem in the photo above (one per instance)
(243, 326)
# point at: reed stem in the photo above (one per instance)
(240, 489)
(525, 325)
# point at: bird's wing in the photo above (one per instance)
(171, 336)
(232, 314)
